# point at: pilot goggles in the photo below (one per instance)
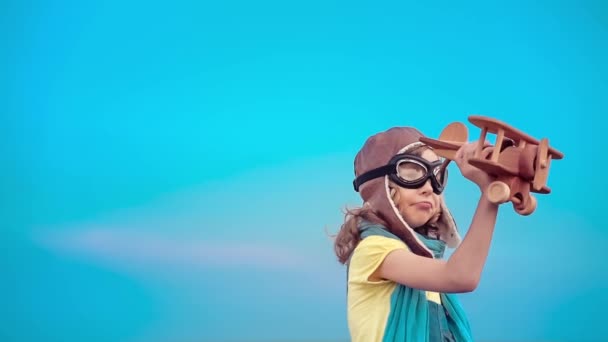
(409, 171)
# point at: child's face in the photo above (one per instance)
(418, 206)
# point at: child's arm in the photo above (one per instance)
(462, 272)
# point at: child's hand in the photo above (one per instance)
(477, 176)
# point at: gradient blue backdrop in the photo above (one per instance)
(170, 171)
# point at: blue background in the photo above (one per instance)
(170, 172)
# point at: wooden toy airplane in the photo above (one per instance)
(519, 162)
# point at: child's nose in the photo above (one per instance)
(427, 187)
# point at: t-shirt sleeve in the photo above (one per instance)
(368, 256)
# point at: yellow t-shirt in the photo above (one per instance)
(369, 302)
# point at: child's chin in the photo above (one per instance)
(418, 223)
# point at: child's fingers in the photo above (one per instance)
(468, 149)
(459, 153)
(465, 152)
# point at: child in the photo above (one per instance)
(399, 288)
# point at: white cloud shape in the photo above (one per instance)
(140, 248)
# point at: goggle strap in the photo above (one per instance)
(375, 173)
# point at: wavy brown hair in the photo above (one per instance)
(348, 237)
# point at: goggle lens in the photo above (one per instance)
(411, 171)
